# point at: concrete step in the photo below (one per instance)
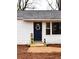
(37, 45)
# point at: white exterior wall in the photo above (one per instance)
(23, 31)
(25, 28)
(50, 39)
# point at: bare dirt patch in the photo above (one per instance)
(25, 52)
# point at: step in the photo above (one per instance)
(38, 45)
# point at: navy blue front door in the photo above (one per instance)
(37, 31)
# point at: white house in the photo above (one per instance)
(39, 24)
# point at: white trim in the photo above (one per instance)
(43, 20)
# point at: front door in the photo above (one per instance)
(37, 31)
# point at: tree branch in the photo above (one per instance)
(58, 4)
(26, 1)
(50, 5)
(19, 2)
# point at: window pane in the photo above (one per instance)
(56, 28)
(48, 25)
(48, 28)
(47, 31)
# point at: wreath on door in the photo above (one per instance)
(37, 27)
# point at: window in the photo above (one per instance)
(56, 28)
(48, 28)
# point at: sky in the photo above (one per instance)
(41, 4)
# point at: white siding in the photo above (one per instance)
(25, 28)
(23, 31)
